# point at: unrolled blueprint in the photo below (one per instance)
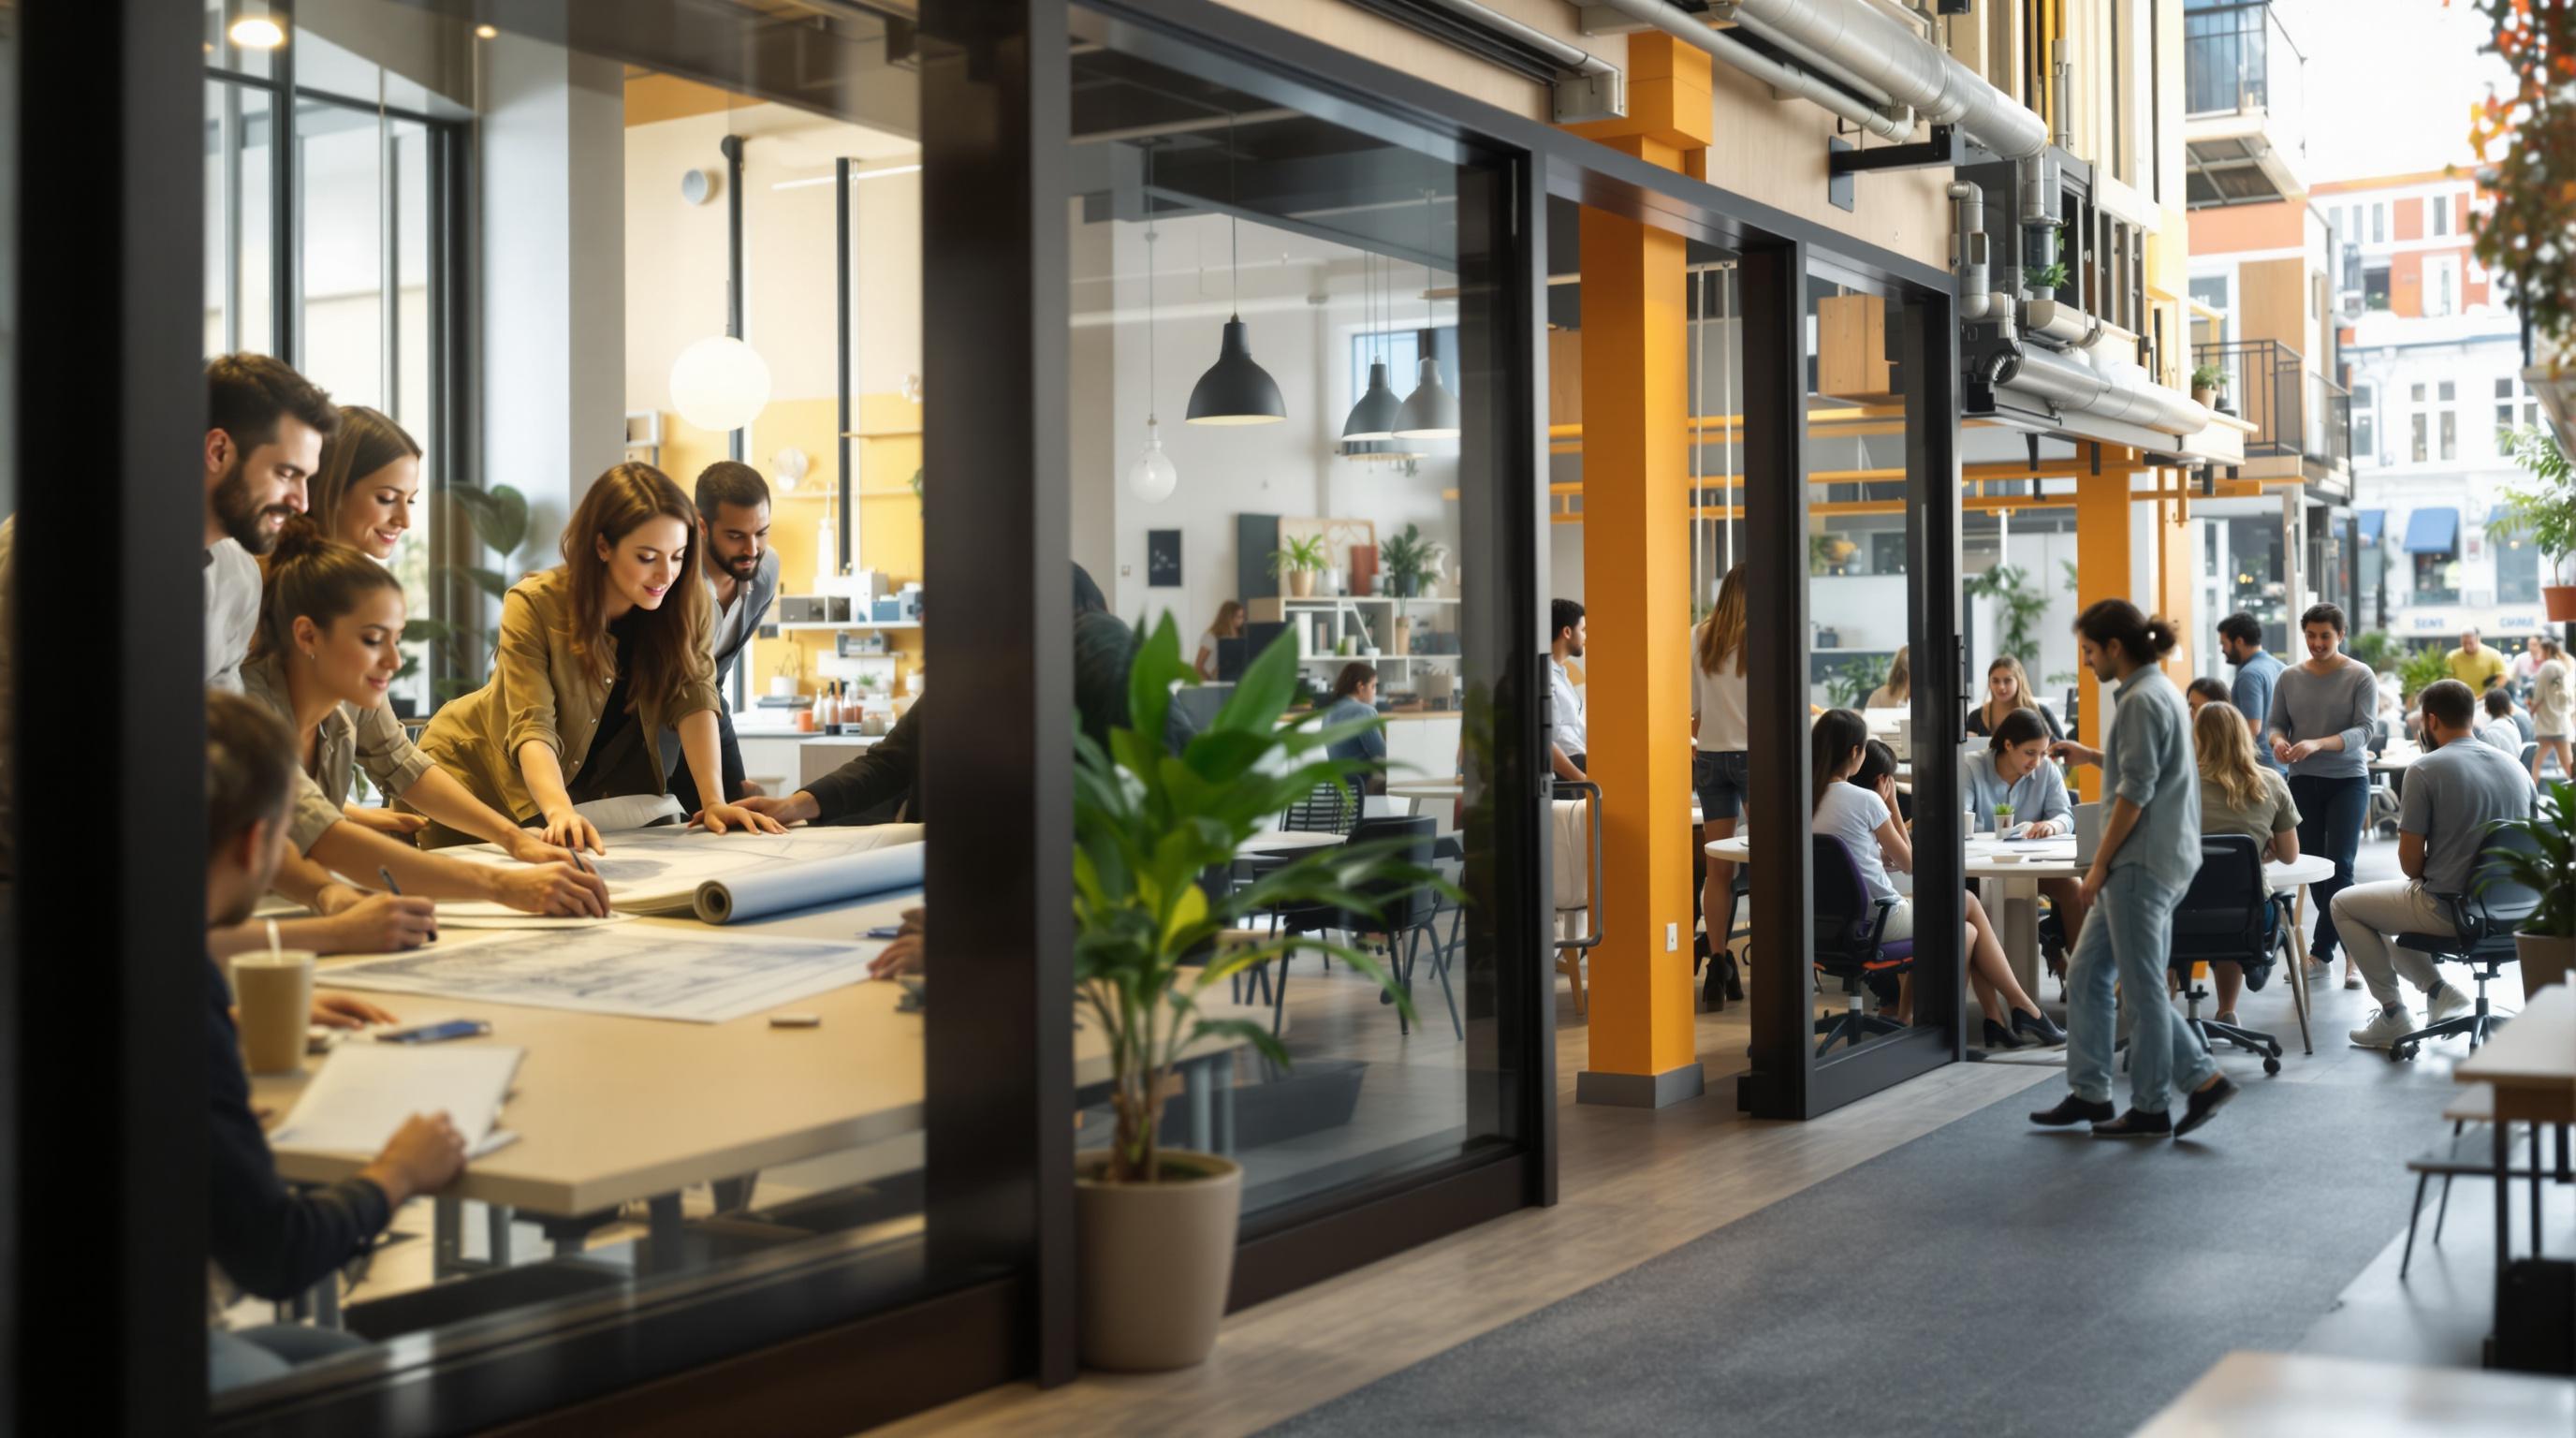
(627, 969)
(659, 871)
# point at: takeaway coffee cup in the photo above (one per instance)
(275, 993)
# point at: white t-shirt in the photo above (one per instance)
(1207, 646)
(232, 612)
(1717, 702)
(1853, 814)
(1565, 712)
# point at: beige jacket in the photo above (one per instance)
(542, 690)
(350, 736)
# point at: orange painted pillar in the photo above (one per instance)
(2103, 513)
(1636, 565)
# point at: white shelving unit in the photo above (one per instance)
(825, 624)
(1348, 615)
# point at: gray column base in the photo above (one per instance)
(1672, 1086)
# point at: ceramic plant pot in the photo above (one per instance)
(2546, 959)
(2561, 602)
(1153, 1260)
(1301, 584)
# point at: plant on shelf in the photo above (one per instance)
(1159, 925)
(2525, 139)
(1409, 560)
(2019, 609)
(2543, 511)
(2547, 939)
(2206, 381)
(1830, 554)
(2046, 280)
(1300, 559)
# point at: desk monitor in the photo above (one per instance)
(1233, 654)
(2088, 832)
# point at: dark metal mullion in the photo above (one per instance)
(389, 265)
(229, 139)
(110, 107)
(285, 208)
(1775, 549)
(1929, 362)
(1520, 739)
(995, 293)
(450, 459)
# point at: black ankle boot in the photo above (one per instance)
(1734, 977)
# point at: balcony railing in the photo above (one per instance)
(2295, 411)
(2238, 58)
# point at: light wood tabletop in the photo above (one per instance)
(2531, 1062)
(611, 1109)
(2261, 1395)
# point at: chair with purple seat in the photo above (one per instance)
(1850, 923)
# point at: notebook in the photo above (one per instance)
(2088, 832)
(363, 1092)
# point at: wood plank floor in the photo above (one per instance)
(1633, 1185)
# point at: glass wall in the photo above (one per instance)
(1287, 375)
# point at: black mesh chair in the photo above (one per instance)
(2229, 915)
(1850, 945)
(1408, 913)
(2484, 921)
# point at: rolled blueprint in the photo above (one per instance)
(778, 888)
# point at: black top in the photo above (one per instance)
(622, 758)
(884, 773)
(274, 1243)
(1977, 721)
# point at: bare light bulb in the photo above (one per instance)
(1151, 478)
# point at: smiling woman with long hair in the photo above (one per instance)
(598, 656)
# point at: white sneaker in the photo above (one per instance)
(2445, 1002)
(2386, 1028)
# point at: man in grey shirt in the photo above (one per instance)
(2319, 727)
(2453, 794)
(2240, 639)
(2149, 851)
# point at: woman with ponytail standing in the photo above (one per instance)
(2149, 851)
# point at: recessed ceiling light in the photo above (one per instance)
(487, 32)
(256, 32)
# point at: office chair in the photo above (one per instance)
(1849, 923)
(2229, 914)
(2485, 919)
(1407, 912)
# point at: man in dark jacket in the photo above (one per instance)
(266, 1240)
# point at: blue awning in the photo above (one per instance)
(2373, 521)
(2433, 531)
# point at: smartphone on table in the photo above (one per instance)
(438, 1033)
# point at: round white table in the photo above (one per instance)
(1414, 791)
(1289, 841)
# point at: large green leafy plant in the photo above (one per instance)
(1151, 825)
(2549, 865)
(2020, 609)
(499, 518)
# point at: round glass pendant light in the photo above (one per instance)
(1235, 390)
(1152, 478)
(719, 383)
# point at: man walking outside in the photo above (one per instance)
(2149, 851)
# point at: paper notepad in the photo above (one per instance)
(365, 1091)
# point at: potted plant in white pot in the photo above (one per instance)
(2547, 939)
(2525, 140)
(2542, 510)
(1299, 560)
(1156, 1226)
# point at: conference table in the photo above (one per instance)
(2009, 871)
(610, 1109)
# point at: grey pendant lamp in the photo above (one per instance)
(1431, 411)
(1235, 390)
(1373, 418)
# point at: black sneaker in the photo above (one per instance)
(2201, 1103)
(2071, 1110)
(2135, 1123)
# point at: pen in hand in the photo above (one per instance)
(395, 889)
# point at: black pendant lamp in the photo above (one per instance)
(1373, 418)
(1431, 411)
(1235, 390)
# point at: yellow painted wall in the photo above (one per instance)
(889, 515)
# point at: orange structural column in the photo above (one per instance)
(1636, 564)
(2102, 571)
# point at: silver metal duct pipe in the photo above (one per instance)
(1968, 251)
(2105, 389)
(1786, 78)
(1885, 51)
(1581, 62)
(2062, 71)
(2062, 326)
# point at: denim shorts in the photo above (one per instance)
(1719, 780)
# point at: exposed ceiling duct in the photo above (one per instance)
(1885, 53)
(1581, 85)
(1780, 75)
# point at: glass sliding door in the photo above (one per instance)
(1297, 422)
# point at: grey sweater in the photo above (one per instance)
(2312, 706)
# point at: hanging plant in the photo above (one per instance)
(2525, 141)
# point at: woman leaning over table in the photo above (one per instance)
(598, 656)
(2239, 796)
(2320, 727)
(2016, 770)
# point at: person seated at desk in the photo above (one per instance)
(598, 656)
(262, 1238)
(2015, 770)
(884, 773)
(2008, 689)
(330, 640)
(1854, 787)
(1355, 699)
(2453, 794)
(1898, 691)
(1228, 625)
(2239, 796)
(2203, 692)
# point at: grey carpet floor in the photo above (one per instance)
(1987, 1278)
